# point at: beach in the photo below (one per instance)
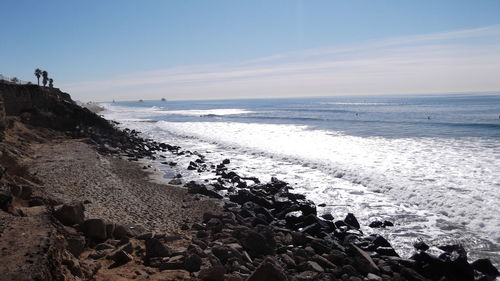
(83, 199)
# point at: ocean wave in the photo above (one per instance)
(452, 176)
(357, 103)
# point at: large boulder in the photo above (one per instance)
(70, 214)
(214, 273)
(485, 267)
(257, 244)
(155, 248)
(268, 270)
(95, 229)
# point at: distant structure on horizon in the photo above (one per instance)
(163, 99)
(140, 100)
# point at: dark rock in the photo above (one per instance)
(192, 263)
(5, 201)
(192, 166)
(324, 262)
(110, 228)
(380, 241)
(421, 246)
(376, 224)
(120, 258)
(76, 244)
(226, 161)
(351, 220)
(387, 251)
(485, 267)
(364, 263)
(175, 182)
(196, 188)
(214, 273)
(268, 270)
(215, 225)
(121, 232)
(155, 248)
(103, 246)
(95, 229)
(327, 217)
(373, 277)
(176, 262)
(315, 266)
(70, 214)
(388, 223)
(257, 244)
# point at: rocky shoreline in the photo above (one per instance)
(274, 232)
(264, 231)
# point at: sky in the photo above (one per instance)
(186, 49)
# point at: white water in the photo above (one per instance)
(443, 190)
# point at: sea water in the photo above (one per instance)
(429, 163)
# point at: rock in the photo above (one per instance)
(103, 246)
(380, 241)
(192, 263)
(121, 232)
(26, 192)
(76, 244)
(315, 266)
(215, 225)
(214, 273)
(373, 277)
(421, 246)
(70, 214)
(172, 263)
(268, 271)
(327, 217)
(226, 161)
(363, 261)
(351, 220)
(120, 258)
(257, 244)
(324, 262)
(388, 223)
(2, 171)
(95, 229)
(376, 224)
(192, 166)
(195, 188)
(386, 251)
(110, 228)
(485, 267)
(5, 201)
(175, 182)
(155, 248)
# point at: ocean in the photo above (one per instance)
(429, 163)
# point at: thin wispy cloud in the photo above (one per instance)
(455, 61)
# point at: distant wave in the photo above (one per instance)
(357, 103)
(208, 112)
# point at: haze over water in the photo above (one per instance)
(428, 163)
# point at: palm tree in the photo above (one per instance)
(38, 73)
(51, 83)
(45, 76)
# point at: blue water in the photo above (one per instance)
(430, 163)
(406, 116)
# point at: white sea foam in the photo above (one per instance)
(217, 112)
(453, 179)
(439, 189)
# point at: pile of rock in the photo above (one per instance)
(266, 230)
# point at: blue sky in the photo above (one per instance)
(100, 50)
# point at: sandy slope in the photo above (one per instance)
(118, 190)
